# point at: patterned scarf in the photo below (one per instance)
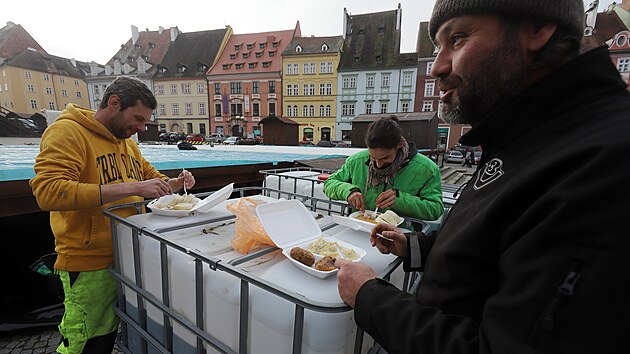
(385, 175)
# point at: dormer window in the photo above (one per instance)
(275, 44)
(250, 46)
(262, 45)
(232, 56)
(298, 48)
(237, 47)
(324, 47)
(381, 29)
(181, 69)
(272, 53)
(245, 55)
(226, 66)
(239, 65)
(151, 45)
(361, 31)
(266, 64)
(258, 54)
(145, 58)
(202, 67)
(357, 59)
(137, 46)
(131, 59)
(252, 65)
(162, 70)
(378, 58)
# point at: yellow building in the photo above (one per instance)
(180, 85)
(310, 85)
(32, 81)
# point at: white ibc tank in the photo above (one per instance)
(306, 184)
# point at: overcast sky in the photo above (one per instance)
(94, 30)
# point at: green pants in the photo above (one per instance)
(89, 309)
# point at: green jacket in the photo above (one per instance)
(418, 185)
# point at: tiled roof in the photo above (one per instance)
(313, 45)
(608, 24)
(424, 46)
(47, 63)
(372, 41)
(243, 53)
(192, 50)
(14, 39)
(282, 119)
(151, 46)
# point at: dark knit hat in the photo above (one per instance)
(568, 13)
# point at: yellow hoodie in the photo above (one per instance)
(78, 155)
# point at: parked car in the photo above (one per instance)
(325, 143)
(248, 141)
(339, 143)
(455, 156)
(216, 138)
(233, 140)
(175, 137)
(163, 136)
(195, 137)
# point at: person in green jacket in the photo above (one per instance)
(391, 174)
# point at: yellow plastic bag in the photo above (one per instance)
(250, 235)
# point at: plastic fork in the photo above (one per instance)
(185, 191)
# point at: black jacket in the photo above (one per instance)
(535, 254)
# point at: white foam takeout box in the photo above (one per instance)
(289, 224)
(357, 224)
(202, 206)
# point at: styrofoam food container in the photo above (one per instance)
(289, 224)
(202, 206)
(370, 212)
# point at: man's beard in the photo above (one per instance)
(494, 80)
(118, 128)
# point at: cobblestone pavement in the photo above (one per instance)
(33, 341)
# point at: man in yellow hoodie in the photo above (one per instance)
(87, 163)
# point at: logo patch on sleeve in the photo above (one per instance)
(491, 172)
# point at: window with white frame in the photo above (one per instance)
(62, 80)
(383, 107)
(305, 89)
(304, 111)
(289, 89)
(368, 107)
(28, 75)
(322, 68)
(76, 82)
(306, 69)
(313, 69)
(217, 110)
(188, 108)
(311, 111)
(429, 88)
(46, 77)
(173, 89)
(385, 80)
(322, 110)
(328, 89)
(328, 110)
(349, 82)
(311, 89)
(404, 106)
(427, 106)
(296, 90)
(289, 69)
(256, 109)
(407, 79)
(30, 88)
(33, 104)
(186, 88)
(202, 108)
(295, 111)
(289, 111)
(330, 67)
(51, 105)
(48, 90)
(429, 67)
(175, 109)
(623, 64)
(64, 93)
(78, 94)
(347, 109)
(322, 89)
(200, 88)
(369, 81)
(162, 109)
(159, 89)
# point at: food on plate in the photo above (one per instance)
(176, 202)
(327, 248)
(388, 217)
(303, 256)
(366, 217)
(326, 264)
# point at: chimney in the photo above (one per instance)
(625, 4)
(398, 17)
(134, 34)
(74, 62)
(345, 22)
(174, 33)
(161, 29)
(10, 24)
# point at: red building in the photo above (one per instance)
(245, 83)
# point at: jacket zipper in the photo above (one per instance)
(564, 291)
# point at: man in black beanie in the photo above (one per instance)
(532, 257)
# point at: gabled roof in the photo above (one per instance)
(47, 63)
(14, 39)
(281, 119)
(254, 52)
(192, 50)
(372, 41)
(151, 46)
(424, 46)
(313, 45)
(608, 24)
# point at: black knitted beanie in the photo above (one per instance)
(567, 13)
